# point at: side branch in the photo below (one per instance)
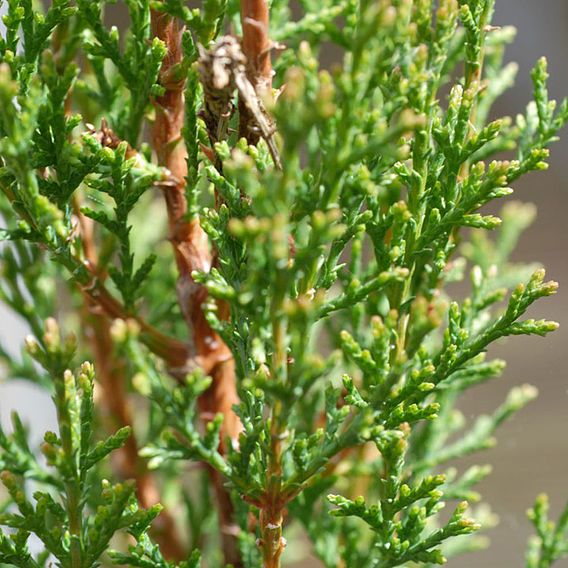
(172, 351)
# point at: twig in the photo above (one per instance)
(172, 351)
(192, 253)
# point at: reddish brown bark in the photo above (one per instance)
(257, 44)
(273, 544)
(257, 48)
(192, 253)
(188, 239)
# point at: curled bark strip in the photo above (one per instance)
(223, 69)
(216, 72)
(107, 138)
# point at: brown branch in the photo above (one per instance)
(192, 252)
(172, 351)
(188, 239)
(256, 47)
(111, 374)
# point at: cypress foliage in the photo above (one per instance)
(257, 255)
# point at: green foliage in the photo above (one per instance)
(59, 515)
(549, 543)
(331, 281)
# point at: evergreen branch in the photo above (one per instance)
(308, 267)
(550, 543)
(113, 381)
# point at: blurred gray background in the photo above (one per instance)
(532, 455)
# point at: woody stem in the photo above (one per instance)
(191, 249)
(256, 47)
